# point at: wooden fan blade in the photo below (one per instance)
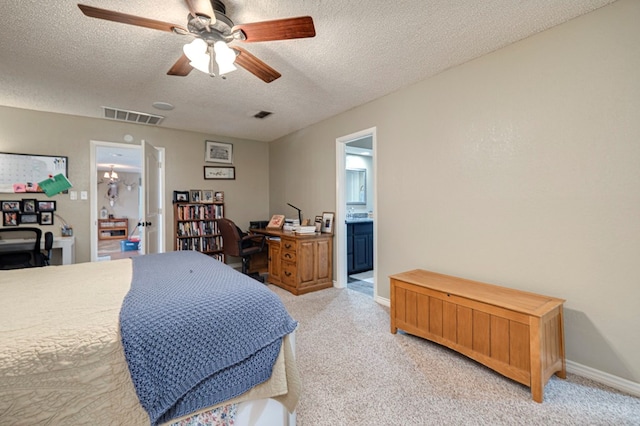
(181, 68)
(110, 15)
(280, 29)
(201, 7)
(255, 66)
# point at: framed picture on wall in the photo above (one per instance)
(46, 218)
(29, 205)
(46, 206)
(28, 218)
(219, 172)
(9, 218)
(218, 152)
(11, 206)
(327, 222)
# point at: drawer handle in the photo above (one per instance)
(288, 256)
(287, 273)
(288, 246)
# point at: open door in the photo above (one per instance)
(151, 224)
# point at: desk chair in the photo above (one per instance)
(48, 245)
(24, 252)
(236, 243)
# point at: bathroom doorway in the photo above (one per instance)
(355, 212)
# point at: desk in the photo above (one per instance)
(66, 244)
(299, 263)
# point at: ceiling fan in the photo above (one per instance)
(213, 31)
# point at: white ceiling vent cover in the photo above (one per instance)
(131, 116)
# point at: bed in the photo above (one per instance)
(73, 349)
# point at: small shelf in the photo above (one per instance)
(113, 229)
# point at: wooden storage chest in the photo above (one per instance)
(518, 334)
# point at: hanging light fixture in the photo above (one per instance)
(112, 176)
(201, 56)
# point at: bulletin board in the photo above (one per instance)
(22, 172)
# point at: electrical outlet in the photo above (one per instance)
(83, 195)
(73, 195)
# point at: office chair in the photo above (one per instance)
(236, 243)
(20, 247)
(45, 258)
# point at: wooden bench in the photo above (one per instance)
(518, 334)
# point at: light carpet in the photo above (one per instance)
(355, 372)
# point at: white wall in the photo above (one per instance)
(521, 168)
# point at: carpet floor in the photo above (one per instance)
(355, 372)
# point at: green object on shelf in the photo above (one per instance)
(55, 185)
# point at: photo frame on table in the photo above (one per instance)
(218, 152)
(318, 223)
(276, 222)
(211, 172)
(207, 196)
(195, 196)
(11, 206)
(180, 196)
(46, 218)
(46, 206)
(9, 218)
(29, 205)
(28, 219)
(327, 222)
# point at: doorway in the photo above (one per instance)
(119, 200)
(362, 147)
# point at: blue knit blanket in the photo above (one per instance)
(197, 333)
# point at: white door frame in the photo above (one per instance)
(341, 204)
(93, 198)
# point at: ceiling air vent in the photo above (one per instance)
(263, 114)
(131, 116)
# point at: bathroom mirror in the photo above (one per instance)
(356, 186)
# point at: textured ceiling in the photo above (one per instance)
(53, 58)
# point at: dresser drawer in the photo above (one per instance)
(289, 273)
(289, 256)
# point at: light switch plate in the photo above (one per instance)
(73, 195)
(83, 195)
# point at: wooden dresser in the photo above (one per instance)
(518, 334)
(299, 263)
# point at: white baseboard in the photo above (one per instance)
(615, 382)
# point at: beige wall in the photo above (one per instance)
(521, 168)
(31, 132)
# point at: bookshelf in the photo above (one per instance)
(195, 227)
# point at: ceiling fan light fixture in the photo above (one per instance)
(225, 57)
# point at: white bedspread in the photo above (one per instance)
(61, 357)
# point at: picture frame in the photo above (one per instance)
(28, 219)
(46, 206)
(327, 222)
(218, 152)
(276, 222)
(219, 196)
(195, 196)
(180, 196)
(29, 205)
(10, 218)
(11, 206)
(207, 196)
(46, 218)
(318, 223)
(211, 172)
